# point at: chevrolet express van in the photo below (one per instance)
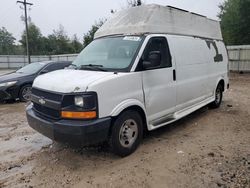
(147, 67)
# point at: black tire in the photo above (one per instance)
(22, 93)
(218, 97)
(120, 134)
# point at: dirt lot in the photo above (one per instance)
(209, 148)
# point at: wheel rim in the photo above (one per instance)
(128, 133)
(26, 93)
(217, 96)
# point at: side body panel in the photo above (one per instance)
(193, 61)
(217, 70)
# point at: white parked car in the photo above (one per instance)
(147, 67)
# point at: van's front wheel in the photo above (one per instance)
(127, 132)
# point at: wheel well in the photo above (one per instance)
(222, 83)
(140, 111)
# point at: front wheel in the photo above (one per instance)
(218, 97)
(25, 93)
(127, 132)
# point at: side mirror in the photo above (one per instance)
(154, 60)
(44, 71)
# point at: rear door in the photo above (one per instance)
(159, 83)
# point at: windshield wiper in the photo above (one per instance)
(92, 67)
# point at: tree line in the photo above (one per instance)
(234, 16)
(56, 43)
(235, 21)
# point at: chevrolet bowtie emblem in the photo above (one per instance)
(42, 101)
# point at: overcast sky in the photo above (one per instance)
(77, 16)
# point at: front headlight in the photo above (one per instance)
(79, 101)
(86, 101)
(80, 106)
(8, 84)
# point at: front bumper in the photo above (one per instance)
(8, 93)
(76, 132)
(4, 95)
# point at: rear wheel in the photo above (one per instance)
(127, 132)
(218, 97)
(25, 93)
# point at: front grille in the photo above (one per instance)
(46, 111)
(47, 95)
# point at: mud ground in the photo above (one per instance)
(209, 148)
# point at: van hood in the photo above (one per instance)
(68, 81)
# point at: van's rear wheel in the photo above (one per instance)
(218, 97)
(127, 132)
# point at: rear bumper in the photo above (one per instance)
(80, 133)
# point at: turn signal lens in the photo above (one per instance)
(79, 115)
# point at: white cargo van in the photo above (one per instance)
(147, 67)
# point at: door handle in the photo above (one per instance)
(174, 75)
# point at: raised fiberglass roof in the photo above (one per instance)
(160, 19)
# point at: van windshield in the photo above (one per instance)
(109, 54)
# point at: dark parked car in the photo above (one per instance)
(18, 84)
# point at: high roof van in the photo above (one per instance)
(147, 67)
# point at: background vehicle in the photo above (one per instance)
(147, 67)
(18, 84)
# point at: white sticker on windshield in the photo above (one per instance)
(132, 38)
